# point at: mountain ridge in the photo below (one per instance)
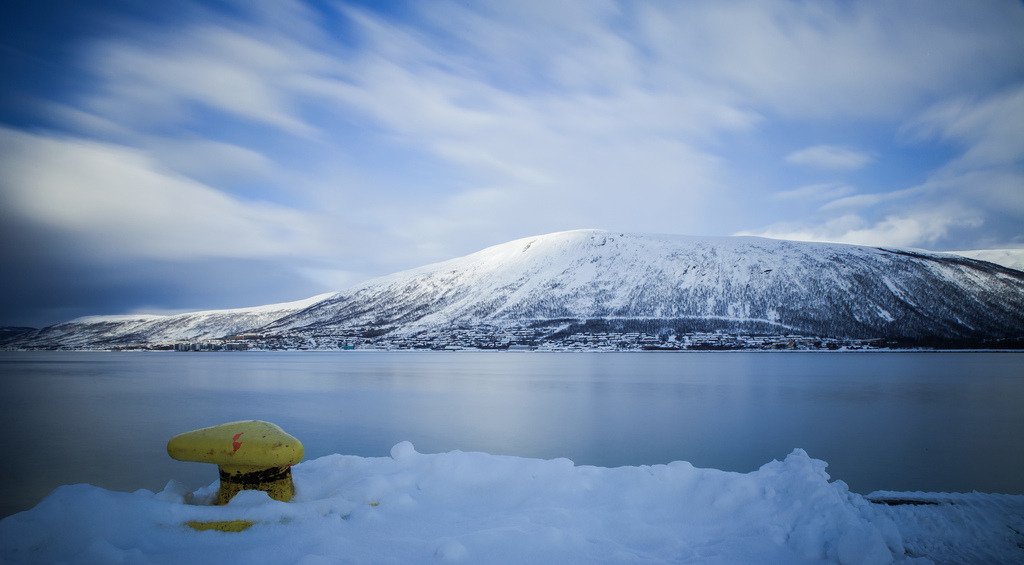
(661, 285)
(501, 280)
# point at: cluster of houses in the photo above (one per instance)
(212, 345)
(525, 338)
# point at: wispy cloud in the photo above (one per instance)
(117, 202)
(572, 116)
(830, 157)
(815, 192)
(212, 67)
(980, 187)
(989, 128)
(858, 201)
(422, 131)
(916, 229)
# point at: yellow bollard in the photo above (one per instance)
(251, 455)
(221, 526)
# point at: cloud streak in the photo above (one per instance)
(978, 188)
(117, 202)
(916, 229)
(829, 157)
(339, 141)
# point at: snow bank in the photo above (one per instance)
(959, 527)
(477, 508)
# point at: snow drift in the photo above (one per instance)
(480, 508)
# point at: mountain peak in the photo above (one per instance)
(702, 283)
(555, 286)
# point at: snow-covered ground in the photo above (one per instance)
(480, 508)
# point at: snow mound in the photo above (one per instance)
(476, 508)
(958, 527)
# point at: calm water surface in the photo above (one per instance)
(900, 421)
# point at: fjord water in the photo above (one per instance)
(948, 421)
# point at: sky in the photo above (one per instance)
(165, 157)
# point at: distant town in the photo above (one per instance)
(523, 339)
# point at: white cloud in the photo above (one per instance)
(1012, 258)
(533, 157)
(858, 201)
(815, 192)
(988, 129)
(824, 59)
(829, 157)
(211, 160)
(519, 95)
(248, 75)
(837, 197)
(976, 196)
(117, 202)
(540, 116)
(915, 229)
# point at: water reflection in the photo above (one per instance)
(902, 421)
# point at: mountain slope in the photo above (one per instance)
(768, 286)
(111, 331)
(595, 281)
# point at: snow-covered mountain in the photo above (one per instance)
(589, 280)
(763, 285)
(93, 332)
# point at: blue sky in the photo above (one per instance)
(172, 156)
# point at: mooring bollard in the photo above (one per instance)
(251, 455)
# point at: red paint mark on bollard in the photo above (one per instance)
(235, 444)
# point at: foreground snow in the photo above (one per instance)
(481, 508)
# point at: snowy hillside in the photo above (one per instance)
(107, 331)
(687, 284)
(556, 288)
